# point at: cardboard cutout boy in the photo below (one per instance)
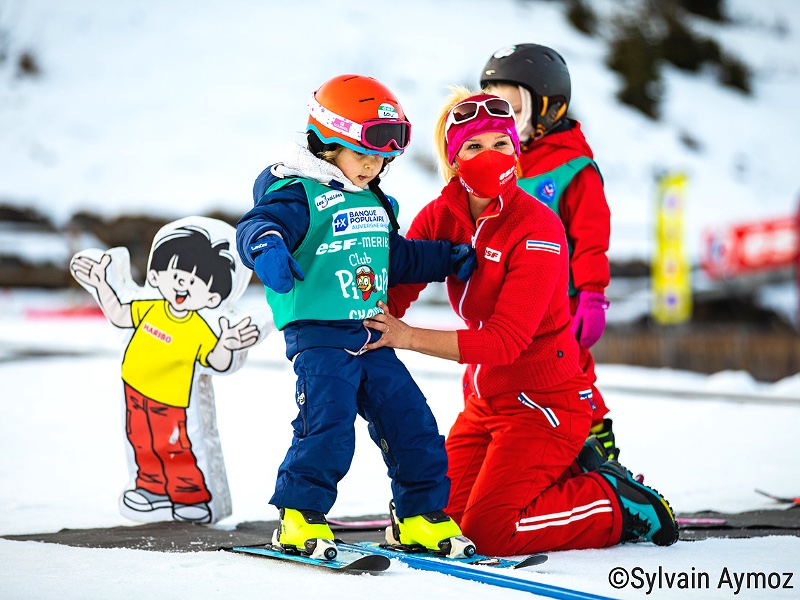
(178, 331)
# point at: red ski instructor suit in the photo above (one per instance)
(515, 486)
(584, 211)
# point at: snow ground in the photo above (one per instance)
(64, 467)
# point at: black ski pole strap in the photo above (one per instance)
(374, 185)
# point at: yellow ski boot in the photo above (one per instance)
(434, 531)
(305, 532)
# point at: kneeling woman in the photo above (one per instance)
(517, 485)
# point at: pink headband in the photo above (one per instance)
(458, 133)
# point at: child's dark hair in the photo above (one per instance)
(194, 250)
(319, 148)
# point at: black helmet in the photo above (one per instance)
(540, 70)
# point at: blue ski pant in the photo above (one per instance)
(333, 386)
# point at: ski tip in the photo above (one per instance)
(370, 563)
(351, 562)
(530, 561)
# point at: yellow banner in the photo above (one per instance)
(671, 284)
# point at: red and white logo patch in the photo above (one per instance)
(493, 255)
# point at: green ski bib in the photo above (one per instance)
(344, 257)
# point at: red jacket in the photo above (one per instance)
(583, 207)
(515, 304)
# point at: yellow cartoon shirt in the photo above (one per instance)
(160, 359)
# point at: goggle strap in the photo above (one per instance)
(333, 121)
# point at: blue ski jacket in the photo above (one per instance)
(286, 211)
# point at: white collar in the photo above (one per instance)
(300, 162)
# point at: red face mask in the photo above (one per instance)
(486, 174)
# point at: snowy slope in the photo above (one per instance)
(174, 108)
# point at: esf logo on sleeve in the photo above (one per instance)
(358, 220)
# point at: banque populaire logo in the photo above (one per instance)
(358, 220)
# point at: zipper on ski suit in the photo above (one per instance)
(474, 241)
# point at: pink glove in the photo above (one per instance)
(589, 320)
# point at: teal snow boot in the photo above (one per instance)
(592, 455)
(647, 514)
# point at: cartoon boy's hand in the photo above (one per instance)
(240, 336)
(90, 271)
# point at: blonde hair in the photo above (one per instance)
(457, 94)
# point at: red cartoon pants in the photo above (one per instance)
(162, 450)
(514, 487)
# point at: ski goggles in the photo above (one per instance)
(381, 135)
(468, 110)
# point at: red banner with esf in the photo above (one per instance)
(751, 247)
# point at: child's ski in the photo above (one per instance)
(352, 560)
(463, 570)
(475, 559)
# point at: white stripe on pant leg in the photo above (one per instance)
(565, 518)
(572, 519)
(566, 513)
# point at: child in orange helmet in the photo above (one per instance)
(322, 237)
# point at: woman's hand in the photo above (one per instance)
(394, 333)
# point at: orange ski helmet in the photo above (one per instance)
(361, 113)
